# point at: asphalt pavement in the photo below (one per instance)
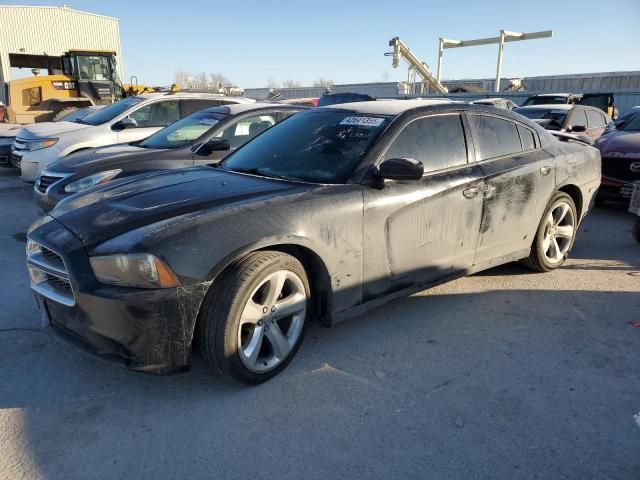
(507, 374)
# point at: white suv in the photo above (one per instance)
(128, 120)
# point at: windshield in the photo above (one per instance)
(184, 132)
(315, 146)
(555, 117)
(632, 125)
(110, 112)
(94, 68)
(545, 101)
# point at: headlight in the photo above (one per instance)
(92, 180)
(40, 144)
(32, 247)
(135, 270)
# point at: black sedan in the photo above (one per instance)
(321, 217)
(202, 138)
(577, 119)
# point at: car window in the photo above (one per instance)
(192, 106)
(185, 131)
(595, 119)
(240, 132)
(578, 119)
(438, 142)
(494, 137)
(110, 112)
(527, 138)
(320, 146)
(158, 114)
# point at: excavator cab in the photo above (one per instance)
(94, 74)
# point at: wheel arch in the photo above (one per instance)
(314, 265)
(576, 195)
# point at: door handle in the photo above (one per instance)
(471, 192)
(545, 170)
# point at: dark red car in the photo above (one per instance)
(620, 150)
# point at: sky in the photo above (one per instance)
(252, 41)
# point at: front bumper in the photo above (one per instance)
(145, 330)
(32, 163)
(615, 190)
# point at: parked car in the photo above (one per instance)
(602, 101)
(327, 214)
(202, 138)
(622, 119)
(342, 97)
(8, 136)
(579, 119)
(128, 120)
(620, 151)
(503, 103)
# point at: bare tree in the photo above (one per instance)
(219, 80)
(323, 82)
(291, 84)
(183, 78)
(271, 82)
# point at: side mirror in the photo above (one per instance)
(401, 169)
(124, 124)
(578, 129)
(215, 145)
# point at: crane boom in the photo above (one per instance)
(400, 50)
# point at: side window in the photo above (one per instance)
(578, 119)
(595, 119)
(158, 114)
(494, 137)
(246, 128)
(438, 142)
(193, 106)
(527, 138)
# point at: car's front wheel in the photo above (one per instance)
(555, 235)
(254, 317)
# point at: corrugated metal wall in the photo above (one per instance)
(54, 31)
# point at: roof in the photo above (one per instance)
(182, 94)
(557, 95)
(386, 107)
(235, 109)
(64, 8)
(491, 101)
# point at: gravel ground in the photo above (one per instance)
(506, 374)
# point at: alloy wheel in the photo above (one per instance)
(560, 229)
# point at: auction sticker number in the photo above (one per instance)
(362, 121)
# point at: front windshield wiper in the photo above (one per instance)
(261, 172)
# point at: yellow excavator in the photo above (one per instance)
(77, 79)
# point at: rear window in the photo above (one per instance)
(527, 138)
(494, 137)
(545, 101)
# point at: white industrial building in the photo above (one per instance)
(31, 34)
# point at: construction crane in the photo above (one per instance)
(416, 66)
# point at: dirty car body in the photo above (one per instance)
(362, 239)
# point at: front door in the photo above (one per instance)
(418, 231)
(149, 119)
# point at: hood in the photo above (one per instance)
(621, 142)
(104, 212)
(49, 129)
(87, 159)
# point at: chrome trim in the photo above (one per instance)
(38, 261)
(44, 173)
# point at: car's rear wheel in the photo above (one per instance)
(555, 235)
(254, 317)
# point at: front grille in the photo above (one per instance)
(45, 181)
(49, 276)
(620, 168)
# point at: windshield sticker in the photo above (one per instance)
(208, 121)
(362, 121)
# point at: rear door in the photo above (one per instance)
(597, 123)
(417, 231)
(520, 178)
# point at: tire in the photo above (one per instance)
(63, 112)
(552, 242)
(244, 330)
(635, 229)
